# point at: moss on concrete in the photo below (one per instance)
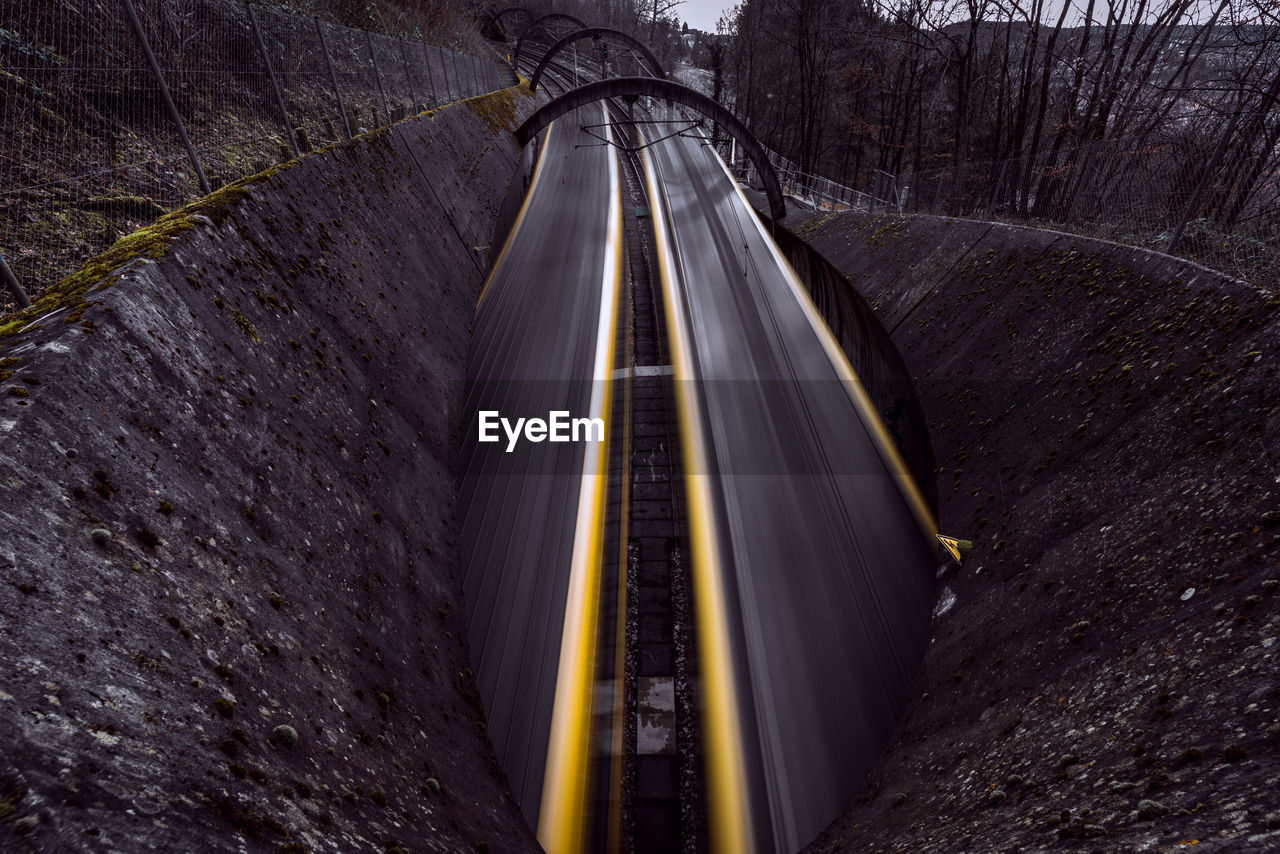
(498, 109)
(151, 242)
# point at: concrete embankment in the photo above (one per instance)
(1102, 669)
(231, 615)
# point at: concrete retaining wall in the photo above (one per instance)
(1105, 421)
(231, 615)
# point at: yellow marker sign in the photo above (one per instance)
(956, 548)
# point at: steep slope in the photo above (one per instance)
(231, 615)
(1102, 673)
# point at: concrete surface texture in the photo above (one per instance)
(1102, 672)
(231, 616)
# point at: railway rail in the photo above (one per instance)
(696, 634)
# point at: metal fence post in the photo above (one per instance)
(444, 69)
(373, 56)
(431, 78)
(1085, 166)
(271, 73)
(333, 76)
(408, 76)
(12, 282)
(1203, 183)
(164, 93)
(444, 78)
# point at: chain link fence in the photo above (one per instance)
(115, 111)
(818, 192)
(1201, 201)
(1213, 198)
(1220, 209)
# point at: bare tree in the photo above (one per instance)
(657, 11)
(1086, 111)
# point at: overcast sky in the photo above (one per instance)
(703, 14)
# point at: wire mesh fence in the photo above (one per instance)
(1213, 198)
(821, 193)
(94, 131)
(1218, 208)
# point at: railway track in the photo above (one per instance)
(663, 791)
(694, 635)
(646, 790)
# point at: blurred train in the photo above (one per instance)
(810, 545)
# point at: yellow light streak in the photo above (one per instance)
(562, 811)
(515, 226)
(848, 376)
(728, 809)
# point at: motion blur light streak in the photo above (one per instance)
(840, 361)
(524, 209)
(729, 807)
(824, 573)
(531, 518)
(810, 549)
(562, 818)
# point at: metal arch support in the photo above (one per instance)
(595, 33)
(669, 91)
(541, 22)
